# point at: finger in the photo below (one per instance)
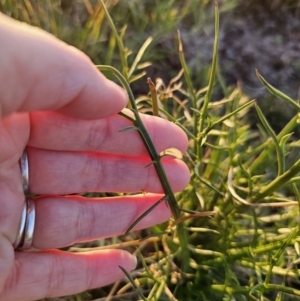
(84, 219)
(50, 75)
(54, 131)
(53, 273)
(54, 172)
(6, 260)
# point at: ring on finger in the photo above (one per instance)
(26, 227)
(29, 227)
(25, 171)
(24, 237)
(20, 234)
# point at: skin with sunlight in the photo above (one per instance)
(55, 102)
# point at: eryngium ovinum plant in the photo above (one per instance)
(234, 234)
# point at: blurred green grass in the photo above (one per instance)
(246, 250)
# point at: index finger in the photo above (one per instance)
(54, 273)
(41, 72)
(54, 131)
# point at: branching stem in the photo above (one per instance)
(154, 155)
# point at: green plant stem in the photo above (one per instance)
(123, 55)
(279, 252)
(262, 157)
(203, 112)
(233, 113)
(277, 92)
(189, 84)
(279, 150)
(139, 56)
(230, 290)
(277, 183)
(261, 287)
(244, 252)
(170, 197)
(138, 290)
(154, 96)
(281, 288)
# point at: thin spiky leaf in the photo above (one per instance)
(289, 127)
(129, 129)
(153, 162)
(195, 111)
(144, 264)
(130, 279)
(227, 116)
(137, 77)
(127, 117)
(205, 182)
(279, 151)
(277, 92)
(123, 52)
(212, 73)
(145, 214)
(248, 176)
(284, 140)
(139, 56)
(277, 183)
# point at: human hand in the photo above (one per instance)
(54, 102)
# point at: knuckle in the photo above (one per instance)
(86, 221)
(98, 134)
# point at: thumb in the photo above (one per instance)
(40, 72)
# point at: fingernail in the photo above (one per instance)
(134, 262)
(124, 92)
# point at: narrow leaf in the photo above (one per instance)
(192, 94)
(129, 128)
(280, 155)
(118, 39)
(137, 77)
(284, 140)
(247, 105)
(176, 121)
(127, 117)
(297, 247)
(145, 214)
(195, 215)
(248, 176)
(195, 111)
(289, 127)
(174, 152)
(277, 92)
(205, 182)
(186, 71)
(139, 56)
(153, 96)
(143, 65)
(130, 279)
(277, 183)
(212, 74)
(144, 264)
(151, 163)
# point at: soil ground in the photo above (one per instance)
(256, 35)
(263, 35)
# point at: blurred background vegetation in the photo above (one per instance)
(253, 34)
(243, 252)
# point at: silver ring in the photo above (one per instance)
(29, 226)
(25, 171)
(26, 227)
(21, 229)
